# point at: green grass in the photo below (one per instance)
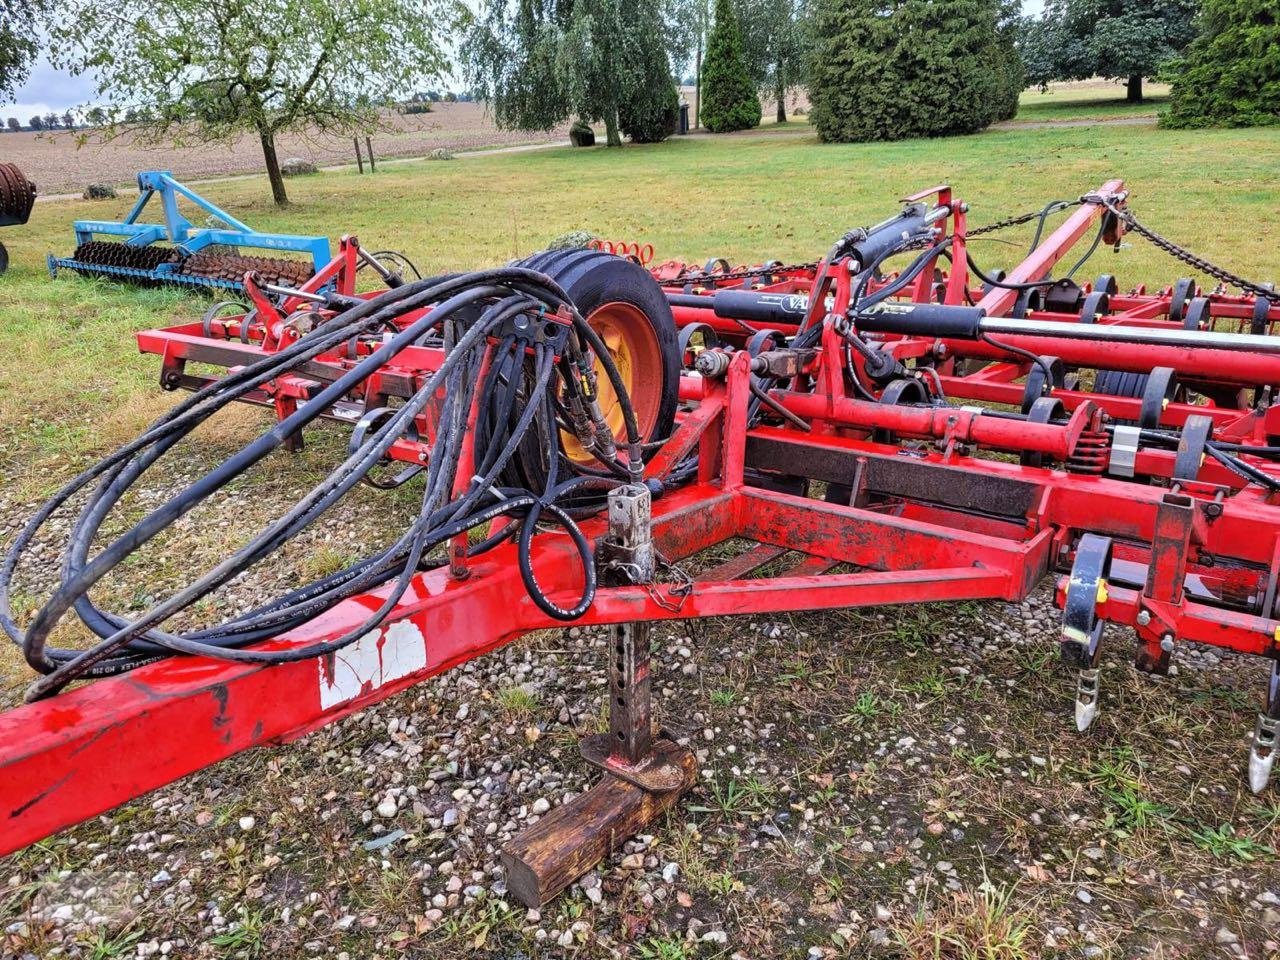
(1092, 100)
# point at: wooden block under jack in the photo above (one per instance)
(544, 859)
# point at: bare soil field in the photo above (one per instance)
(59, 165)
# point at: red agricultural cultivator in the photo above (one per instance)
(581, 429)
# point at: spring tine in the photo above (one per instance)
(1086, 699)
(1262, 753)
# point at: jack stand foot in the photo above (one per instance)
(546, 858)
(1086, 699)
(660, 770)
(1263, 752)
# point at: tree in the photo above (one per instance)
(69, 120)
(1119, 39)
(95, 117)
(52, 121)
(699, 18)
(914, 68)
(1011, 74)
(775, 41)
(729, 100)
(14, 124)
(18, 46)
(538, 63)
(653, 113)
(190, 70)
(1231, 74)
(36, 122)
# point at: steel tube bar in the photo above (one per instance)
(1167, 336)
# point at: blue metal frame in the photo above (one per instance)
(179, 231)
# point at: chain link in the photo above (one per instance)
(1018, 220)
(1179, 252)
(680, 589)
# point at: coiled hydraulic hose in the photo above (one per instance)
(496, 381)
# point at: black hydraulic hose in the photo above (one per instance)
(1223, 453)
(1239, 467)
(508, 293)
(1024, 354)
(907, 276)
(338, 483)
(779, 409)
(1084, 258)
(1052, 207)
(1002, 284)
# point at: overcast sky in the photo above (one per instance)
(48, 89)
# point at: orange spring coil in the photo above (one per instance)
(643, 255)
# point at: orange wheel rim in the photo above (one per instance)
(634, 349)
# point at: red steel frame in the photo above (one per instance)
(939, 521)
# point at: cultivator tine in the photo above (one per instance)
(1081, 640)
(1262, 753)
(1086, 699)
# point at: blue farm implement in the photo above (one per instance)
(177, 252)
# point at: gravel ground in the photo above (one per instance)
(885, 783)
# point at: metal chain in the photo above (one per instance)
(680, 588)
(1179, 252)
(1016, 221)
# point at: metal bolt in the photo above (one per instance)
(1144, 617)
(1166, 643)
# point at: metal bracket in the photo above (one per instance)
(1124, 451)
(629, 751)
(626, 554)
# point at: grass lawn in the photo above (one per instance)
(1109, 815)
(1089, 100)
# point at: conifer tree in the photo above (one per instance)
(1231, 75)
(729, 100)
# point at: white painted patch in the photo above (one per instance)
(377, 658)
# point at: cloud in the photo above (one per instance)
(49, 89)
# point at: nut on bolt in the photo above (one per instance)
(712, 363)
(1144, 617)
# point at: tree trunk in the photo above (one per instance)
(1135, 88)
(273, 168)
(697, 82)
(781, 94)
(612, 137)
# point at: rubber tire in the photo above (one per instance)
(4, 258)
(591, 279)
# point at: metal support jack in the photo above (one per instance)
(644, 775)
